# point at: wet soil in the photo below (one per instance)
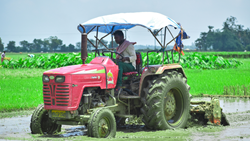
(237, 111)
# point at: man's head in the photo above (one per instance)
(119, 36)
(4, 51)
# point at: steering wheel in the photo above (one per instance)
(112, 54)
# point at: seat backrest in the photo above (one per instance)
(138, 62)
(138, 58)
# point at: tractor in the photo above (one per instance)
(84, 94)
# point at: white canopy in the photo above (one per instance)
(111, 23)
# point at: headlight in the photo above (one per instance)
(60, 79)
(45, 78)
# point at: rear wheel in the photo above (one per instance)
(166, 102)
(41, 123)
(102, 124)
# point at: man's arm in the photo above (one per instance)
(131, 51)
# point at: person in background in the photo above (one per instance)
(2, 56)
(31, 55)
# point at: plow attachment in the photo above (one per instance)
(208, 112)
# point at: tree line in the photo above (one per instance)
(51, 44)
(232, 37)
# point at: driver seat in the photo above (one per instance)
(138, 66)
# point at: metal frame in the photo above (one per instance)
(163, 46)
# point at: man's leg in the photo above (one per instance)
(123, 67)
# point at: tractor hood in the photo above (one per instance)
(78, 69)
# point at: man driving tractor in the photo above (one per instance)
(126, 49)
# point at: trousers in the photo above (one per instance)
(123, 67)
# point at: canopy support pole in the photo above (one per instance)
(156, 38)
(101, 42)
(92, 43)
(91, 29)
(164, 48)
(112, 45)
(158, 31)
(112, 37)
(96, 42)
(177, 46)
(105, 36)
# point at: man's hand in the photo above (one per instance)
(125, 59)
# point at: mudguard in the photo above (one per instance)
(155, 70)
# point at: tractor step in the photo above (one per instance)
(124, 116)
(129, 97)
(68, 122)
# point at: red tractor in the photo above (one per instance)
(84, 94)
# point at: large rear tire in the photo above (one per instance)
(166, 102)
(102, 124)
(41, 123)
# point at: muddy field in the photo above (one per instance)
(237, 111)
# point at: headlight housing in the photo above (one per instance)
(60, 79)
(45, 78)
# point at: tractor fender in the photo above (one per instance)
(156, 70)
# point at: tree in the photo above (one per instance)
(54, 43)
(71, 47)
(63, 48)
(78, 45)
(11, 46)
(114, 44)
(1, 45)
(202, 41)
(25, 45)
(89, 45)
(46, 45)
(231, 37)
(37, 45)
(248, 47)
(104, 42)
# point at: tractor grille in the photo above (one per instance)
(56, 94)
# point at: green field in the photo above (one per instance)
(213, 81)
(228, 54)
(17, 56)
(22, 88)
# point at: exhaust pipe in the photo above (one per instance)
(84, 51)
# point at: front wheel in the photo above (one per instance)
(41, 123)
(166, 102)
(102, 124)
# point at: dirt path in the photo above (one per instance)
(237, 111)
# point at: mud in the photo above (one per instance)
(236, 110)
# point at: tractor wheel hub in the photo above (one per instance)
(170, 105)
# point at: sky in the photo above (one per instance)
(29, 19)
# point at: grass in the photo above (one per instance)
(226, 54)
(22, 88)
(213, 81)
(222, 53)
(17, 56)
